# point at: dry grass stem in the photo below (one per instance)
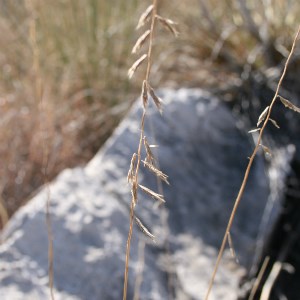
(267, 288)
(139, 276)
(133, 176)
(259, 278)
(243, 185)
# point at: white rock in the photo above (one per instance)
(204, 154)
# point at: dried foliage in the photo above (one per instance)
(289, 104)
(262, 116)
(266, 117)
(133, 175)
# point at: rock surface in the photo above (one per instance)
(204, 153)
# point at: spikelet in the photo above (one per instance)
(154, 195)
(254, 130)
(130, 175)
(232, 251)
(157, 172)
(141, 41)
(266, 149)
(145, 17)
(145, 94)
(155, 98)
(149, 155)
(168, 24)
(274, 123)
(144, 229)
(262, 116)
(136, 64)
(289, 104)
(134, 192)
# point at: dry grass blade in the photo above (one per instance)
(145, 16)
(155, 98)
(274, 123)
(136, 64)
(289, 104)
(144, 229)
(145, 94)
(130, 175)
(157, 172)
(262, 116)
(141, 41)
(154, 195)
(168, 24)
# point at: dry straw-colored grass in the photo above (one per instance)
(73, 56)
(247, 35)
(265, 118)
(149, 16)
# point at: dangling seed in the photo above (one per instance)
(135, 65)
(140, 42)
(134, 193)
(168, 24)
(274, 123)
(154, 195)
(145, 94)
(254, 130)
(289, 104)
(144, 228)
(155, 98)
(262, 116)
(130, 175)
(266, 149)
(145, 16)
(157, 172)
(149, 155)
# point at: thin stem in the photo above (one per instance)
(151, 40)
(135, 181)
(242, 188)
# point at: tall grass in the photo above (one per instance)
(240, 35)
(81, 49)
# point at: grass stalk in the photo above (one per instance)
(134, 183)
(248, 169)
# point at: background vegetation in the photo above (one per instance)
(63, 78)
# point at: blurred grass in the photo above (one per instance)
(63, 86)
(63, 83)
